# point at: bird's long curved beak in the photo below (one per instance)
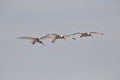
(41, 43)
(64, 38)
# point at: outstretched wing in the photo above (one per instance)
(77, 33)
(96, 33)
(87, 32)
(48, 36)
(27, 38)
(69, 36)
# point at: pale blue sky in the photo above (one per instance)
(94, 58)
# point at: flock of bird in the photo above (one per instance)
(55, 36)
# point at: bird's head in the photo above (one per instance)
(89, 34)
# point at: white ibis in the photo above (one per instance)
(87, 34)
(52, 36)
(34, 40)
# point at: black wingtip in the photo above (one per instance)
(18, 38)
(74, 38)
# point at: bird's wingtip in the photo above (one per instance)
(102, 33)
(18, 38)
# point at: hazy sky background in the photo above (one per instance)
(93, 58)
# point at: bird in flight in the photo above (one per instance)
(52, 36)
(55, 36)
(87, 34)
(34, 40)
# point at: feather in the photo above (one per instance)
(27, 38)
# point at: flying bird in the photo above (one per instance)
(34, 40)
(52, 36)
(87, 34)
